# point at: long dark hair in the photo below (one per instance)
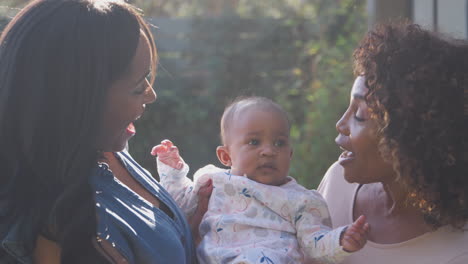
(58, 59)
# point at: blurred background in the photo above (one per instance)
(296, 52)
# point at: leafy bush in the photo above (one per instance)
(297, 52)
(301, 61)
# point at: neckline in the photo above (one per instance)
(124, 161)
(379, 245)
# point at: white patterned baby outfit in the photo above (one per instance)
(250, 222)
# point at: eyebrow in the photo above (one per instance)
(142, 78)
(359, 97)
(252, 134)
(258, 133)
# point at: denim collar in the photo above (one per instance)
(15, 244)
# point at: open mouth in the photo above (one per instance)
(346, 156)
(131, 127)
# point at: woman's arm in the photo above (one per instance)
(46, 251)
(108, 251)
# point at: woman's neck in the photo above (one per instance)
(391, 219)
(106, 156)
(393, 197)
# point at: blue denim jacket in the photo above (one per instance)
(141, 232)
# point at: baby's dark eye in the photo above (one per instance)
(280, 143)
(254, 142)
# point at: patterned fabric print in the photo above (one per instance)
(250, 222)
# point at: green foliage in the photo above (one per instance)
(297, 52)
(300, 58)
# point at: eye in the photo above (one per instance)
(141, 88)
(148, 76)
(280, 143)
(143, 85)
(359, 119)
(361, 114)
(254, 142)
(139, 91)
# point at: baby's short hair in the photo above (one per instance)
(242, 103)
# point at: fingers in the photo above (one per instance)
(205, 190)
(367, 228)
(179, 165)
(165, 146)
(360, 226)
(360, 222)
(168, 154)
(157, 150)
(167, 143)
(204, 194)
(355, 236)
(350, 244)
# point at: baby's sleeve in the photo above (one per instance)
(313, 225)
(179, 186)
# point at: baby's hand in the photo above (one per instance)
(355, 236)
(168, 154)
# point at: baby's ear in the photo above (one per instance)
(223, 155)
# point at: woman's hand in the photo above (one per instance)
(204, 194)
(355, 235)
(168, 154)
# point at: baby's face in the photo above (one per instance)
(259, 147)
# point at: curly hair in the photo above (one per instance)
(417, 83)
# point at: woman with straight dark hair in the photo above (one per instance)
(74, 76)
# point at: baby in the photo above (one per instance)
(257, 213)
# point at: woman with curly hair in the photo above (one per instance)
(403, 137)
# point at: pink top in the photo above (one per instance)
(443, 246)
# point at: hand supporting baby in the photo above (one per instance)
(354, 237)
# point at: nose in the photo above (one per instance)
(342, 125)
(150, 94)
(268, 150)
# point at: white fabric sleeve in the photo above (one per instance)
(179, 186)
(316, 238)
(461, 259)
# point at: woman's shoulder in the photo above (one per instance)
(453, 242)
(443, 246)
(338, 194)
(334, 182)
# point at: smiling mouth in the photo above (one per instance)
(346, 153)
(346, 156)
(131, 129)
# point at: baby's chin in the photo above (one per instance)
(268, 180)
